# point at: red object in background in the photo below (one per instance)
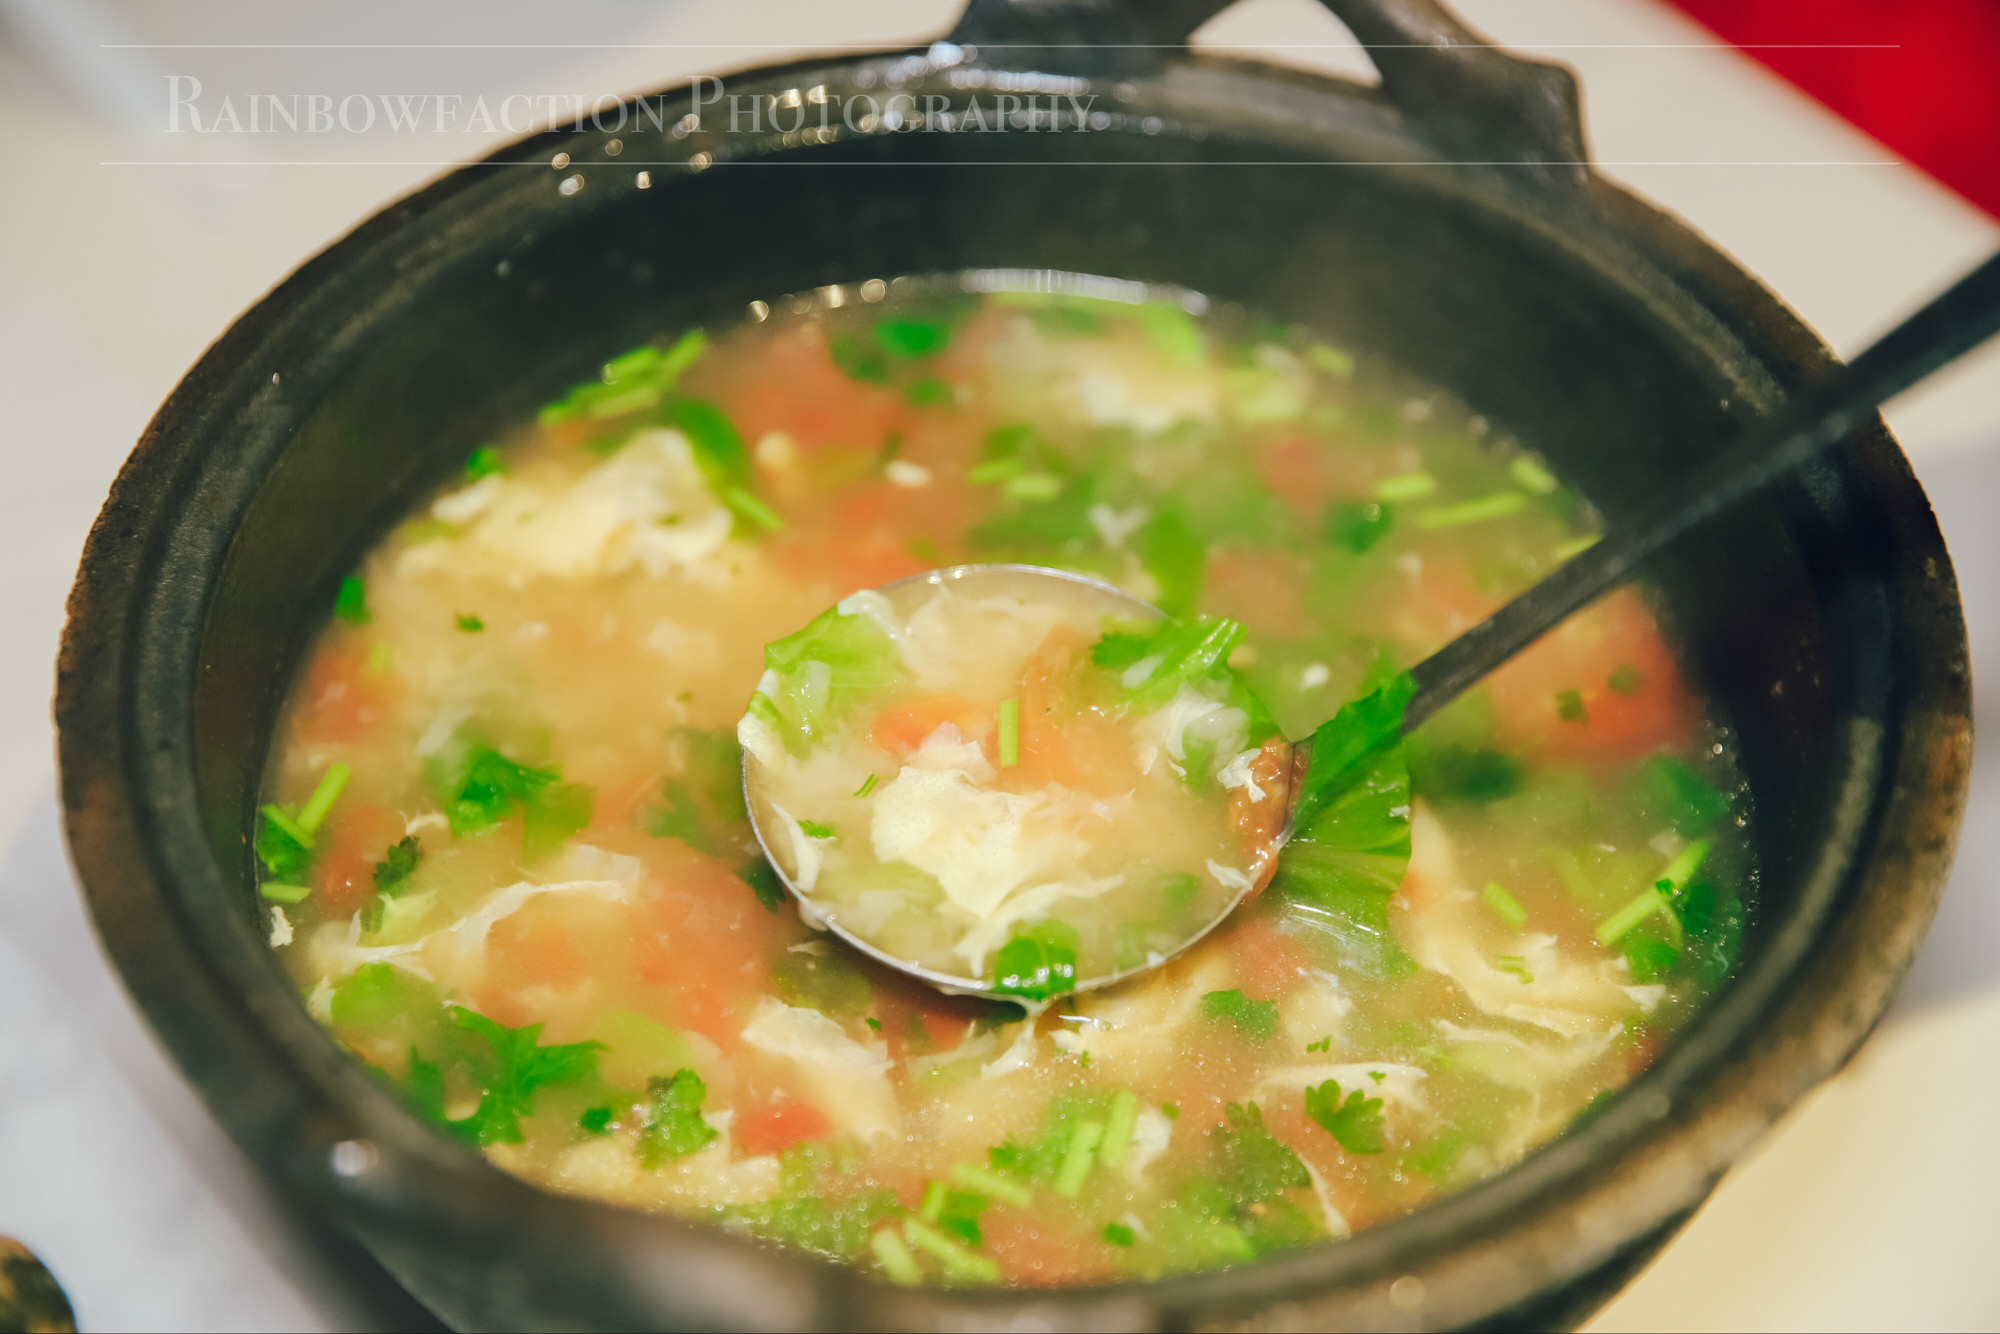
(1934, 97)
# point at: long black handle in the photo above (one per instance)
(1954, 323)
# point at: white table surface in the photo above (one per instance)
(1875, 1205)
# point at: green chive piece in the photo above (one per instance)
(350, 604)
(1410, 486)
(282, 893)
(960, 1263)
(298, 833)
(470, 623)
(994, 470)
(1516, 965)
(1496, 506)
(1118, 1128)
(1509, 907)
(1576, 546)
(1005, 1189)
(1569, 706)
(1078, 1158)
(1033, 486)
(1682, 868)
(1010, 733)
(1531, 476)
(485, 461)
(753, 509)
(1649, 901)
(313, 813)
(898, 1265)
(867, 786)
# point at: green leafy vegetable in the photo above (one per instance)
(926, 393)
(764, 883)
(552, 815)
(397, 865)
(814, 829)
(595, 1120)
(484, 462)
(1340, 870)
(1175, 555)
(1673, 790)
(1449, 772)
(469, 623)
(1357, 525)
(1118, 1234)
(638, 380)
(516, 1069)
(1355, 1123)
(909, 337)
(831, 983)
(285, 850)
(820, 672)
(1257, 1020)
(1569, 706)
(1342, 746)
(488, 788)
(673, 1127)
(1624, 681)
(1250, 1161)
(718, 449)
(1038, 962)
(809, 1222)
(350, 602)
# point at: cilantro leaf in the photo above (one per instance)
(673, 1127)
(287, 858)
(1257, 1020)
(397, 865)
(764, 883)
(517, 1068)
(1037, 963)
(1356, 1123)
(1341, 869)
(489, 789)
(1345, 742)
(814, 829)
(1250, 1161)
(1175, 555)
(350, 603)
(818, 673)
(551, 815)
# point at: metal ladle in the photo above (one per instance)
(1947, 327)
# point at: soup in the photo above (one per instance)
(507, 858)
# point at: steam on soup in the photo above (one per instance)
(506, 854)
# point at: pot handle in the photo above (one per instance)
(1463, 93)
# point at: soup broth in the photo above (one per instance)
(506, 856)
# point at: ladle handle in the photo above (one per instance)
(1827, 412)
(1471, 99)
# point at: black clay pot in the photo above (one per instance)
(1448, 221)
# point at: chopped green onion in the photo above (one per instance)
(1569, 706)
(1576, 546)
(1532, 476)
(1496, 506)
(470, 623)
(867, 786)
(1118, 1128)
(281, 893)
(321, 801)
(293, 830)
(1078, 1158)
(994, 470)
(1409, 486)
(933, 1206)
(1033, 486)
(1010, 733)
(350, 604)
(751, 508)
(485, 461)
(1002, 1188)
(959, 1262)
(1506, 905)
(1682, 868)
(1650, 901)
(1515, 964)
(898, 1265)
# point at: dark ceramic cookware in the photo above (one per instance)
(1448, 220)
